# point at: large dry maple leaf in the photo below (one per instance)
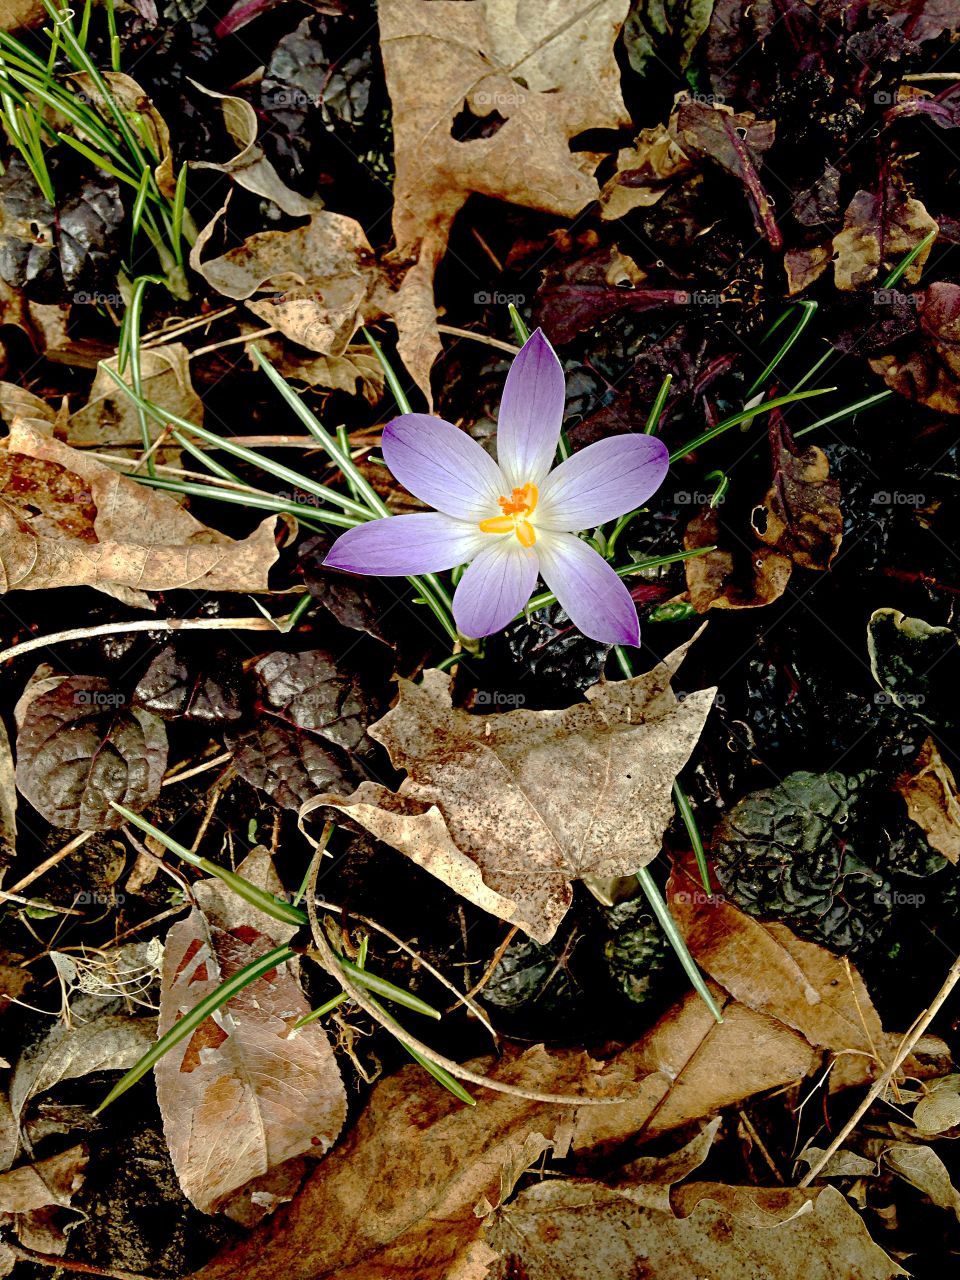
(510, 809)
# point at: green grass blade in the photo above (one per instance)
(675, 938)
(809, 310)
(777, 403)
(519, 324)
(847, 412)
(381, 987)
(685, 810)
(389, 373)
(653, 421)
(187, 1024)
(266, 902)
(179, 206)
(443, 1077)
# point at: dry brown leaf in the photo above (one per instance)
(920, 1165)
(321, 279)
(398, 1197)
(109, 420)
(644, 171)
(930, 791)
(939, 1109)
(52, 1181)
(133, 101)
(117, 535)
(764, 966)
(20, 13)
(545, 67)
(480, 807)
(589, 1231)
(800, 514)
(926, 366)
(245, 1072)
(356, 370)
(249, 166)
(878, 230)
(804, 266)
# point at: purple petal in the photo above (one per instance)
(602, 481)
(495, 587)
(531, 413)
(595, 598)
(398, 545)
(442, 466)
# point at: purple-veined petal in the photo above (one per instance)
(601, 482)
(588, 589)
(427, 542)
(495, 587)
(442, 466)
(531, 413)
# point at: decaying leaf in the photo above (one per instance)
(245, 1092)
(766, 967)
(117, 535)
(917, 665)
(589, 1231)
(537, 74)
(734, 575)
(930, 791)
(939, 1109)
(480, 807)
(800, 515)
(920, 1165)
(357, 369)
(131, 98)
(665, 28)
(109, 420)
(926, 368)
(80, 747)
(32, 1198)
(645, 171)
(879, 228)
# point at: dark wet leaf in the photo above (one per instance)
(179, 682)
(580, 294)
(917, 666)
(737, 143)
(819, 204)
(80, 746)
(28, 257)
(943, 110)
(289, 765)
(531, 975)
(800, 514)
(919, 20)
(734, 575)
(310, 691)
(788, 853)
(362, 604)
(544, 661)
(636, 955)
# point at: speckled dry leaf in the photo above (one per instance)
(939, 1109)
(356, 370)
(878, 230)
(131, 98)
(112, 533)
(480, 807)
(930, 791)
(588, 1231)
(245, 1092)
(804, 266)
(800, 514)
(52, 1181)
(109, 421)
(318, 280)
(8, 800)
(920, 1165)
(546, 68)
(767, 968)
(926, 365)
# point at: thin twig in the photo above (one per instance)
(52, 861)
(68, 1264)
(510, 347)
(149, 624)
(497, 957)
(907, 1045)
(326, 957)
(207, 765)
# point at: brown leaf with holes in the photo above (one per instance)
(800, 515)
(244, 1072)
(527, 78)
(68, 520)
(645, 171)
(930, 791)
(734, 575)
(480, 807)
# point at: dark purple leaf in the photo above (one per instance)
(81, 746)
(178, 683)
(362, 604)
(289, 765)
(309, 691)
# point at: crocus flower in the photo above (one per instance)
(515, 519)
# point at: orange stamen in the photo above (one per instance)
(521, 504)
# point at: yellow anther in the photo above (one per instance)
(516, 509)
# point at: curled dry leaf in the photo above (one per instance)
(107, 531)
(645, 171)
(589, 1231)
(480, 807)
(800, 515)
(244, 1072)
(249, 166)
(32, 1195)
(939, 1109)
(133, 101)
(930, 791)
(734, 575)
(80, 746)
(538, 74)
